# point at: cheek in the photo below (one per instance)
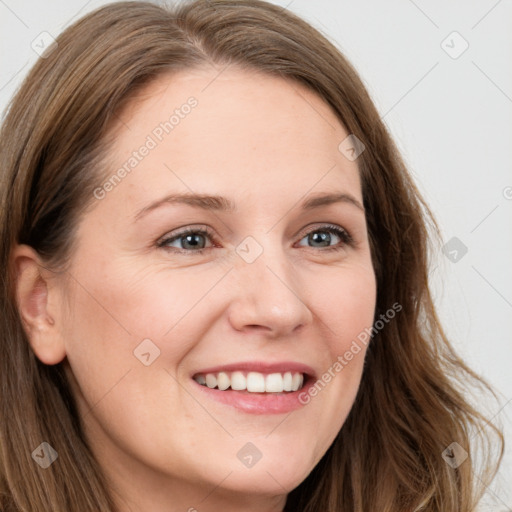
(346, 307)
(345, 302)
(122, 305)
(120, 312)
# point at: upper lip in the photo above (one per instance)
(261, 367)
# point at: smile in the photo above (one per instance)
(255, 387)
(252, 382)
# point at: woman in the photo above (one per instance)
(216, 295)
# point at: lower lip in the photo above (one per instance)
(257, 403)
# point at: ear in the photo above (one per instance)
(37, 299)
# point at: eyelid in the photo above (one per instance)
(322, 226)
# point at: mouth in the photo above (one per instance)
(253, 382)
(257, 388)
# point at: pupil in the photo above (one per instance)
(321, 237)
(191, 241)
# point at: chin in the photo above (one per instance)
(275, 472)
(265, 481)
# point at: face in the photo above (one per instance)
(232, 252)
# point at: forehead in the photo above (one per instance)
(233, 132)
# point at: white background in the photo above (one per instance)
(452, 119)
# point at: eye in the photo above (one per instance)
(324, 236)
(191, 240)
(195, 240)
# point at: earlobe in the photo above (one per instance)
(37, 305)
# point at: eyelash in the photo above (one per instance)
(344, 235)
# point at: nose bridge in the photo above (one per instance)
(266, 293)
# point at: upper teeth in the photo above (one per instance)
(254, 382)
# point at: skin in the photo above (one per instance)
(266, 144)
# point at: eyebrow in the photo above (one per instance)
(223, 204)
(203, 201)
(327, 199)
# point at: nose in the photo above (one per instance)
(266, 297)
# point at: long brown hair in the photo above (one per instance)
(411, 403)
